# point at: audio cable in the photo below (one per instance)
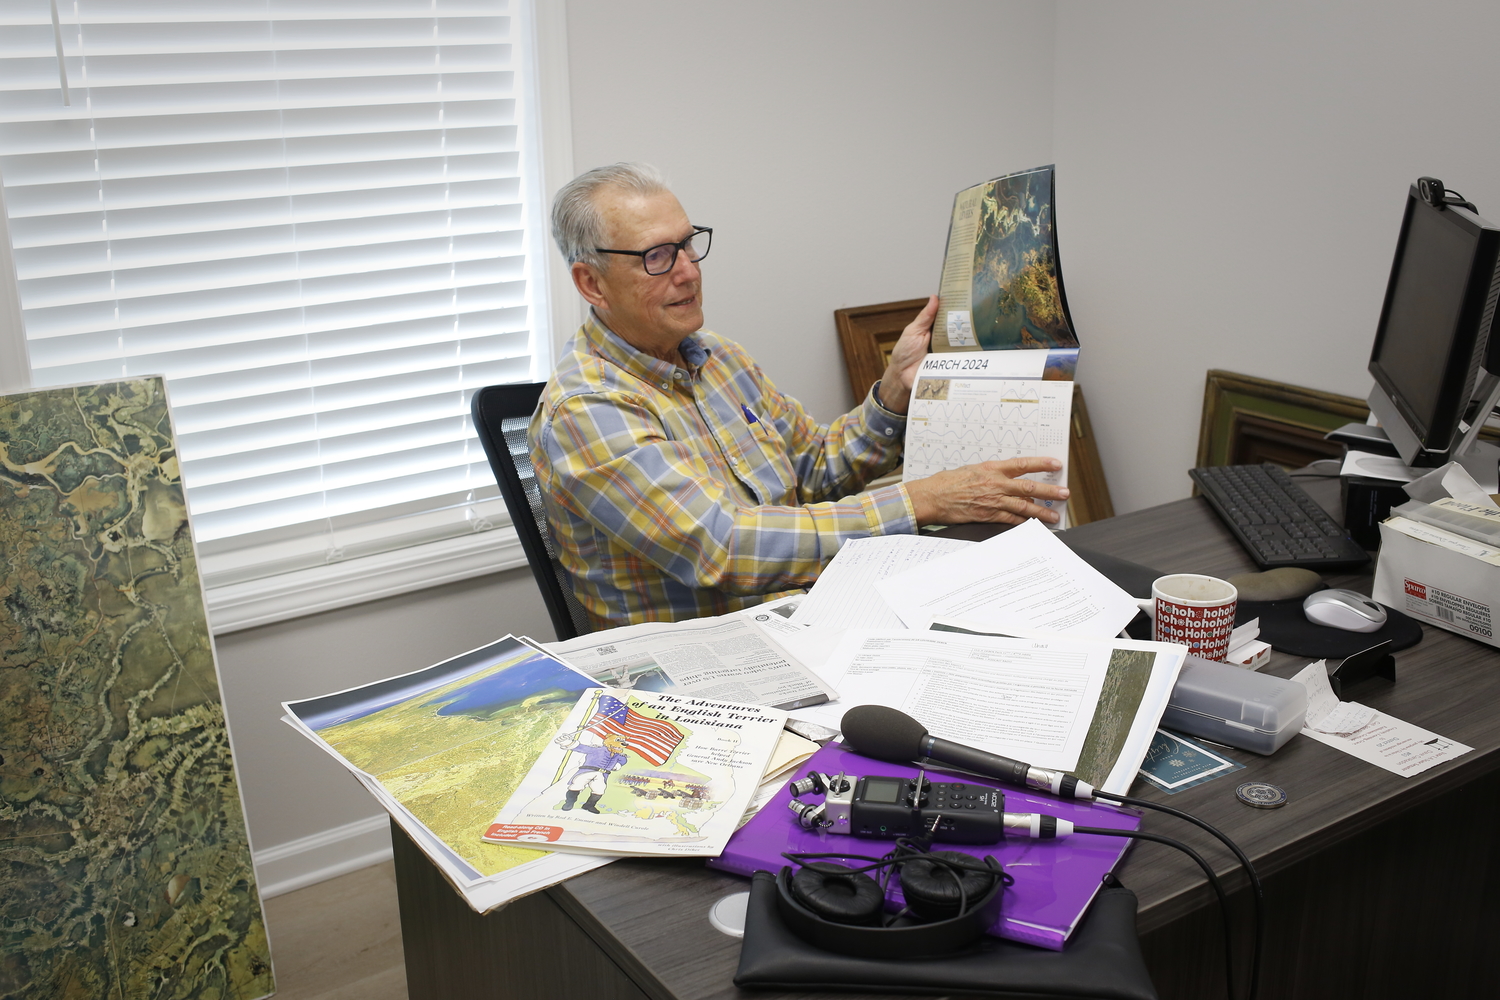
(889, 734)
(1257, 897)
(1208, 871)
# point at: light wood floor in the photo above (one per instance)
(339, 939)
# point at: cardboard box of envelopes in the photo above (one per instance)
(1440, 564)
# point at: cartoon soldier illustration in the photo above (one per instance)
(601, 755)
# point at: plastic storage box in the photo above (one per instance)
(1235, 706)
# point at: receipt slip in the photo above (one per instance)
(1372, 736)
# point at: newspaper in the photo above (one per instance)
(643, 773)
(730, 658)
(999, 383)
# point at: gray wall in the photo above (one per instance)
(1231, 180)
(1230, 183)
(823, 141)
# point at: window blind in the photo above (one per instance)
(312, 217)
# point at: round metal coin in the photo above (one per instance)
(1261, 795)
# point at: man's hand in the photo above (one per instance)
(986, 493)
(906, 358)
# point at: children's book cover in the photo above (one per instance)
(638, 772)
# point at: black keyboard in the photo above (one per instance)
(1274, 518)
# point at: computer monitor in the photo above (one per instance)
(1434, 361)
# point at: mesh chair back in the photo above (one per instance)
(501, 415)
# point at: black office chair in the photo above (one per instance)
(501, 414)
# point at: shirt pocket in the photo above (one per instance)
(772, 476)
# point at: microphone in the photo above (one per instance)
(1037, 826)
(886, 734)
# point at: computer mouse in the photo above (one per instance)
(1343, 609)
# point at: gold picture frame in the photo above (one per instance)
(1248, 420)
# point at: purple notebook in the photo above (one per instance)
(1055, 879)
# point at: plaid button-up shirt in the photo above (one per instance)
(675, 493)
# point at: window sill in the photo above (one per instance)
(355, 581)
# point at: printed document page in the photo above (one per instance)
(1023, 578)
(1025, 698)
(728, 658)
(845, 596)
(1137, 687)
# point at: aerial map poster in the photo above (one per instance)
(124, 862)
(448, 744)
(1002, 286)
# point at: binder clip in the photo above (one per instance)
(1376, 661)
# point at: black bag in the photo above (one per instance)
(1101, 961)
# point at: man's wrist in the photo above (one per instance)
(888, 405)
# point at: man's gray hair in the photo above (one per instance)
(577, 225)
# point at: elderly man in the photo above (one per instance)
(678, 481)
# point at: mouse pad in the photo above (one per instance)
(1286, 628)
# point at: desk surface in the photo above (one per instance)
(649, 917)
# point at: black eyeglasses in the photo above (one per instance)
(663, 257)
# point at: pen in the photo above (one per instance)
(749, 417)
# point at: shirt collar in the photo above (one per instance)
(612, 347)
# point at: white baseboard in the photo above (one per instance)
(328, 854)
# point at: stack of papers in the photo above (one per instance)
(1084, 706)
(1007, 645)
(509, 727)
(1022, 579)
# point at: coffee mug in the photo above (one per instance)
(1196, 611)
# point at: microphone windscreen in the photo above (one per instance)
(883, 733)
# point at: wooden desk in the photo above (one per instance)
(1377, 885)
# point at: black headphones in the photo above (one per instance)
(952, 899)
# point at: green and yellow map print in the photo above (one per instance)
(452, 742)
(1017, 298)
(124, 863)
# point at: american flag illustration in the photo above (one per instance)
(653, 739)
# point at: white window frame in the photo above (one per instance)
(557, 313)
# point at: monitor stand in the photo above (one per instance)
(1479, 458)
(1482, 461)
